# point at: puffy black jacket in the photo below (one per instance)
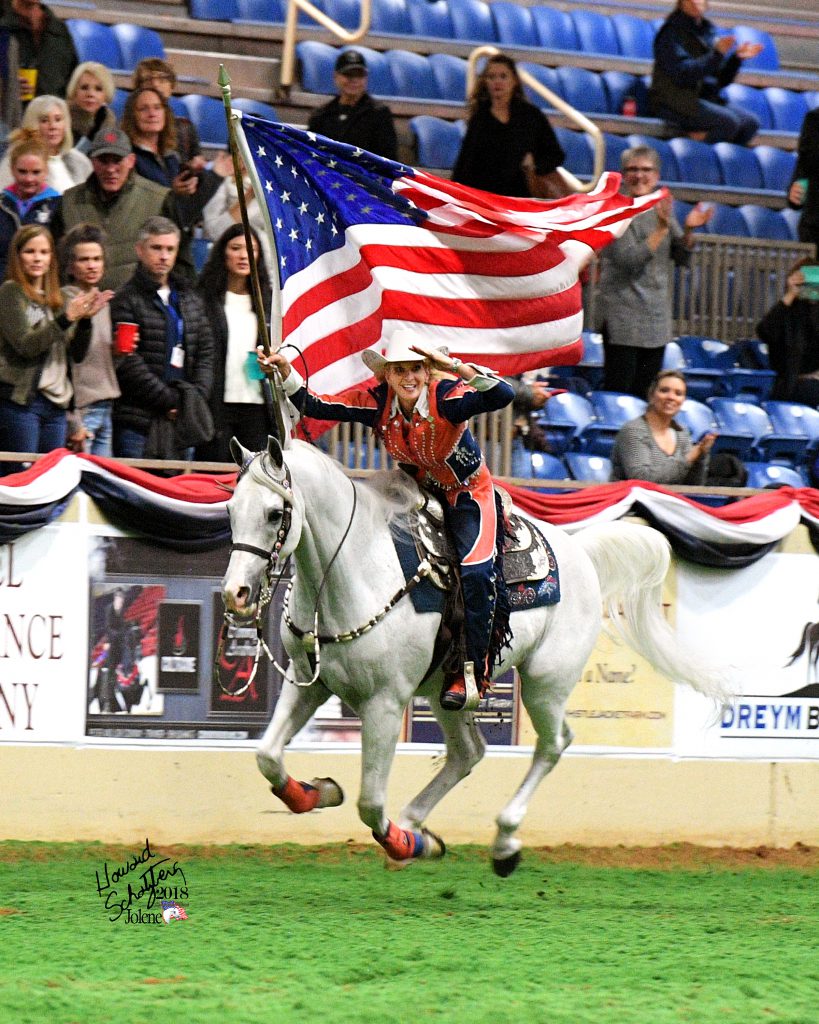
(146, 390)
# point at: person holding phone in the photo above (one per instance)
(791, 330)
(803, 193)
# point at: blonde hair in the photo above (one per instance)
(99, 71)
(40, 106)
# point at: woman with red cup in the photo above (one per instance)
(38, 328)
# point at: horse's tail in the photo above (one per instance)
(800, 650)
(632, 562)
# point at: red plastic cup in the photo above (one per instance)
(126, 338)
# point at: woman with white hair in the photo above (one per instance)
(89, 94)
(48, 117)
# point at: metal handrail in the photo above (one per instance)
(560, 104)
(290, 28)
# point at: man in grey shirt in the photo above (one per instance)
(634, 292)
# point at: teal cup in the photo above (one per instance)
(252, 368)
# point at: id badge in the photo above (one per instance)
(177, 357)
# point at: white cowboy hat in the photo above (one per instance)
(400, 348)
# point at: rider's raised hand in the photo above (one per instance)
(270, 361)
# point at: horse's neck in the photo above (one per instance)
(344, 538)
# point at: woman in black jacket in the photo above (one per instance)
(236, 401)
(791, 330)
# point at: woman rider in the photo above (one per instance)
(422, 421)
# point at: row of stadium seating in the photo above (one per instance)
(441, 77)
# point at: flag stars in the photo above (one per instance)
(283, 261)
(279, 224)
(285, 197)
(261, 151)
(294, 171)
(308, 245)
(279, 161)
(268, 186)
(293, 235)
(319, 218)
(303, 208)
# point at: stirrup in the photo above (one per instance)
(463, 693)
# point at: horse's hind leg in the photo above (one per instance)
(465, 747)
(294, 709)
(553, 736)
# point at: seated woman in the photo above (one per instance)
(791, 330)
(49, 117)
(654, 446)
(421, 419)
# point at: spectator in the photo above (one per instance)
(45, 51)
(37, 328)
(353, 116)
(119, 201)
(157, 74)
(28, 200)
(166, 382)
(633, 294)
(222, 212)
(804, 190)
(82, 257)
(48, 116)
(654, 446)
(89, 95)
(10, 107)
(509, 148)
(692, 63)
(236, 400)
(791, 330)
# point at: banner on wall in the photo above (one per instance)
(108, 636)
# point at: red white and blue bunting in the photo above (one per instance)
(188, 512)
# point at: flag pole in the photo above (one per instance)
(271, 386)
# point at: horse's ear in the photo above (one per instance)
(239, 452)
(274, 450)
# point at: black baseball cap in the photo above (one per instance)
(351, 60)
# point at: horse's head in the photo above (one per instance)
(265, 522)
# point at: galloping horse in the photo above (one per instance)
(376, 648)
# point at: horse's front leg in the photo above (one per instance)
(294, 709)
(380, 726)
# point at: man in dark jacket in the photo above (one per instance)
(692, 63)
(353, 116)
(118, 200)
(45, 48)
(171, 370)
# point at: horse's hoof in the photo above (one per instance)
(434, 846)
(330, 793)
(503, 868)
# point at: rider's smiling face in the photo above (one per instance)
(407, 380)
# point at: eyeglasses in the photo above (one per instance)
(641, 170)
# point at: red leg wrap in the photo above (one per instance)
(400, 844)
(298, 796)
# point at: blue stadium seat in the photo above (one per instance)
(413, 75)
(792, 218)
(765, 223)
(136, 43)
(270, 12)
(438, 142)
(578, 149)
(681, 209)
(546, 76)
(255, 107)
(788, 108)
(177, 105)
(472, 20)
(214, 10)
(380, 81)
(619, 85)
(768, 59)
(346, 12)
(697, 161)
(583, 89)
(790, 418)
(697, 418)
(751, 99)
(776, 165)
(673, 358)
(727, 220)
(591, 362)
(741, 427)
(563, 419)
(430, 20)
(591, 468)
(555, 29)
(669, 171)
(738, 166)
(616, 145)
(317, 61)
(706, 361)
(513, 24)
(595, 32)
(208, 115)
(635, 36)
(450, 74)
(611, 409)
(391, 17)
(200, 250)
(95, 41)
(118, 102)
(766, 475)
(547, 467)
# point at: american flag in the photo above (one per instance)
(365, 246)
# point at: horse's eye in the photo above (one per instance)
(274, 515)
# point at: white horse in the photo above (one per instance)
(301, 503)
